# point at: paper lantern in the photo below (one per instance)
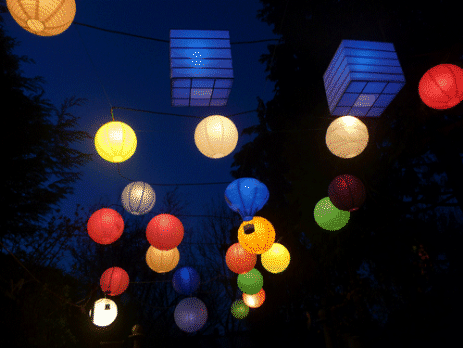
(239, 309)
(162, 261)
(185, 280)
(43, 17)
(138, 198)
(347, 192)
(115, 142)
(216, 136)
(190, 314)
(164, 232)
(246, 196)
(104, 312)
(201, 71)
(363, 78)
(114, 281)
(347, 137)
(256, 300)
(441, 87)
(276, 259)
(105, 226)
(239, 260)
(251, 282)
(328, 216)
(257, 235)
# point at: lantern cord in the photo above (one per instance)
(171, 114)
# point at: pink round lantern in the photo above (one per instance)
(105, 226)
(114, 281)
(164, 232)
(347, 192)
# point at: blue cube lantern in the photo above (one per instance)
(362, 78)
(201, 70)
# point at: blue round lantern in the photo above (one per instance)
(190, 315)
(186, 280)
(246, 196)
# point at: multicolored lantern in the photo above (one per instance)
(251, 282)
(162, 261)
(104, 312)
(257, 235)
(347, 137)
(216, 136)
(115, 142)
(138, 198)
(114, 281)
(190, 315)
(256, 300)
(164, 232)
(239, 309)
(246, 196)
(185, 280)
(441, 87)
(328, 216)
(105, 226)
(276, 259)
(239, 260)
(346, 192)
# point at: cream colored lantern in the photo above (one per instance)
(162, 261)
(104, 312)
(216, 136)
(347, 137)
(43, 17)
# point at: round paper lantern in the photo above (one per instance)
(256, 300)
(328, 216)
(216, 136)
(185, 280)
(246, 196)
(347, 192)
(105, 226)
(115, 142)
(276, 259)
(104, 312)
(441, 87)
(257, 235)
(114, 281)
(251, 282)
(162, 261)
(239, 309)
(239, 260)
(138, 198)
(347, 137)
(43, 17)
(190, 314)
(164, 232)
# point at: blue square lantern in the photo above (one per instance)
(201, 70)
(362, 78)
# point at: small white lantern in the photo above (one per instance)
(104, 312)
(138, 198)
(216, 136)
(346, 137)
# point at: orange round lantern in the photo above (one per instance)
(239, 260)
(162, 261)
(105, 226)
(114, 281)
(256, 236)
(256, 300)
(164, 232)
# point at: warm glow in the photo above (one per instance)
(256, 300)
(162, 261)
(276, 259)
(115, 141)
(347, 137)
(256, 235)
(216, 136)
(105, 312)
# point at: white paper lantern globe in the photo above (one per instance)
(347, 137)
(43, 17)
(138, 198)
(104, 312)
(216, 136)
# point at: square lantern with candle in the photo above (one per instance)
(362, 78)
(201, 70)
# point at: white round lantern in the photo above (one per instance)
(138, 198)
(347, 137)
(216, 136)
(43, 17)
(104, 312)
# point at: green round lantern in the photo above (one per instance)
(328, 216)
(250, 282)
(239, 309)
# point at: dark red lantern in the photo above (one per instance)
(347, 192)
(105, 226)
(164, 232)
(441, 87)
(239, 260)
(114, 281)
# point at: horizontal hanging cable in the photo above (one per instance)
(171, 114)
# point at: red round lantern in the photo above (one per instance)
(239, 260)
(114, 281)
(346, 192)
(441, 87)
(164, 232)
(105, 226)
(254, 301)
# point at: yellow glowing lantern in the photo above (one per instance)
(115, 141)
(256, 235)
(43, 17)
(347, 137)
(276, 259)
(256, 300)
(162, 261)
(104, 312)
(216, 136)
